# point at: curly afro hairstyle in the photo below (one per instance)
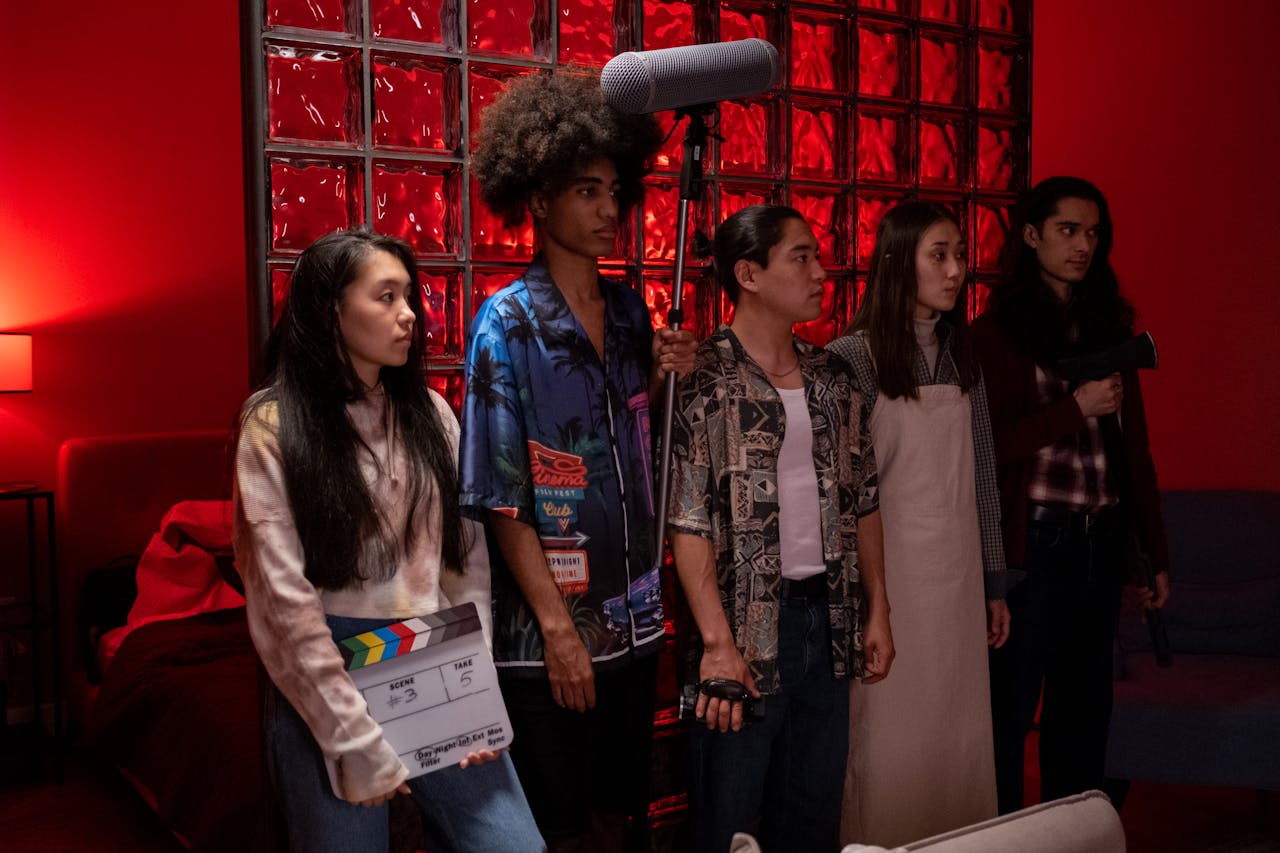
(544, 127)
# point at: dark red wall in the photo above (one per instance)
(121, 220)
(1172, 109)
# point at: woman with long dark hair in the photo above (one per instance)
(921, 761)
(1077, 485)
(347, 519)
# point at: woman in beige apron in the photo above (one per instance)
(921, 759)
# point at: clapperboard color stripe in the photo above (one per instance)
(400, 638)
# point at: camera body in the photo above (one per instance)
(752, 708)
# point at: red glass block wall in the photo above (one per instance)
(362, 111)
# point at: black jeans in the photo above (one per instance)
(1061, 635)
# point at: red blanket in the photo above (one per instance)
(178, 574)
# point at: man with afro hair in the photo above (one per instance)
(556, 459)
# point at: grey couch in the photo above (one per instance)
(1213, 717)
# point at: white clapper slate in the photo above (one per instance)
(431, 684)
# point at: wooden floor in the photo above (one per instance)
(95, 810)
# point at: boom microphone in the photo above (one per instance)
(647, 81)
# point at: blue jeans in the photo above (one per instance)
(477, 809)
(792, 761)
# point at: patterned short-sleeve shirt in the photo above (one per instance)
(557, 438)
(728, 429)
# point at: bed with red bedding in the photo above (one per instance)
(177, 710)
(177, 707)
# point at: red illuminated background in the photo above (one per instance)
(122, 243)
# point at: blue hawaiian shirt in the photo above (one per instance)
(555, 438)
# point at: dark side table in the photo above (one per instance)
(41, 618)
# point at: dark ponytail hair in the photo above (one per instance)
(887, 312)
(1026, 309)
(747, 235)
(311, 379)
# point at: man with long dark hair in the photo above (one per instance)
(1077, 486)
(557, 460)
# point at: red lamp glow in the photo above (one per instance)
(15, 362)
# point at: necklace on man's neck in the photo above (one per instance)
(790, 370)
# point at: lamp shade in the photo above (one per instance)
(15, 362)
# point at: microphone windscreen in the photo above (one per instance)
(651, 80)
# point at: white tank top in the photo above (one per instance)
(799, 524)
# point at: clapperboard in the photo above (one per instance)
(431, 684)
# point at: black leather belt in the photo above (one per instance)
(1075, 520)
(814, 586)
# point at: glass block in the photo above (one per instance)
(826, 212)
(819, 140)
(418, 203)
(442, 305)
(449, 384)
(329, 16)
(835, 315)
(425, 21)
(493, 241)
(656, 289)
(734, 197)
(871, 209)
(942, 65)
(416, 103)
(1001, 78)
(486, 82)
(746, 129)
(882, 146)
(943, 158)
(980, 294)
(745, 21)
(280, 274)
(882, 5)
(313, 95)
(884, 61)
(725, 306)
(1007, 15)
(661, 218)
(991, 228)
(310, 198)
(958, 207)
(486, 281)
(667, 24)
(1001, 154)
(671, 152)
(858, 294)
(517, 28)
(819, 52)
(586, 31)
(943, 10)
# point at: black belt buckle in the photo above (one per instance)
(814, 586)
(1073, 521)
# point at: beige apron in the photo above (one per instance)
(921, 759)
